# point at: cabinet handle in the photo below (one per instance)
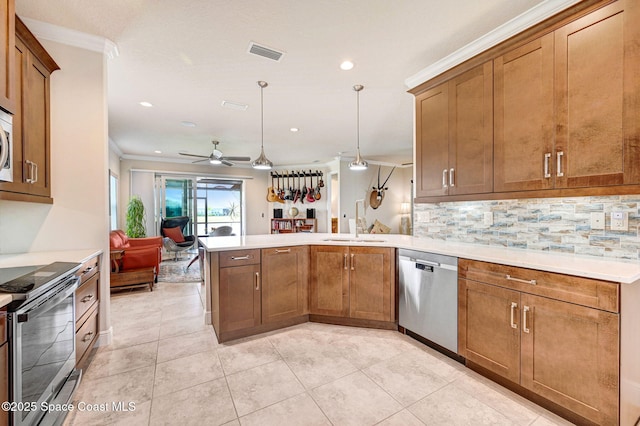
(452, 181)
(257, 281)
(35, 172)
(519, 280)
(353, 263)
(89, 269)
(247, 257)
(345, 262)
(514, 305)
(444, 179)
(524, 319)
(547, 157)
(87, 336)
(559, 156)
(283, 251)
(30, 171)
(87, 298)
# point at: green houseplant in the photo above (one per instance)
(136, 218)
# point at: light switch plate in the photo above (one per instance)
(488, 218)
(597, 220)
(619, 221)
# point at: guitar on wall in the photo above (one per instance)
(309, 194)
(272, 196)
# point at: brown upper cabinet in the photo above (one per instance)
(31, 122)
(7, 43)
(454, 140)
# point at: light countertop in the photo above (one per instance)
(626, 272)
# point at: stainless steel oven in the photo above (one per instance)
(6, 147)
(42, 345)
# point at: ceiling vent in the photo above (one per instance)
(265, 52)
(235, 105)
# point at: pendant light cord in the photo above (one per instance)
(261, 117)
(358, 118)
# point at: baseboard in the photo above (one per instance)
(105, 337)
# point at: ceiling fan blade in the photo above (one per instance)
(226, 163)
(200, 161)
(193, 155)
(231, 158)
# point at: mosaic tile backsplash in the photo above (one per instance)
(560, 225)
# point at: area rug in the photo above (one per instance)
(173, 271)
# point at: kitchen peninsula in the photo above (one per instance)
(318, 280)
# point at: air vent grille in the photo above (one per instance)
(265, 52)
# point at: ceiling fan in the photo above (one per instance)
(216, 156)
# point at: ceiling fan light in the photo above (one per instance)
(262, 162)
(214, 161)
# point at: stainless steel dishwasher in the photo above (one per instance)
(428, 304)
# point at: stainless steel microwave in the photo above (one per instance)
(6, 147)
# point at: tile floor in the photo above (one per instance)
(167, 362)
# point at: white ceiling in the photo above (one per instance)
(186, 57)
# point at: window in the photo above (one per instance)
(218, 203)
(113, 200)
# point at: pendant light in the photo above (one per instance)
(262, 162)
(358, 163)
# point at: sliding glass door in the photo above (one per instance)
(219, 203)
(175, 197)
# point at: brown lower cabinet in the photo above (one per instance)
(285, 283)
(561, 343)
(239, 297)
(87, 309)
(4, 366)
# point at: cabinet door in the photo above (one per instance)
(597, 71)
(19, 183)
(285, 283)
(489, 327)
(239, 297)
(4, 382)
(370, 283)
(523, 117)
(471, 131)
(329, 284)
(7, 40)
(570, 355)
(432, 142)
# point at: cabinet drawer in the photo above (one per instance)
(86, 335)
(582, 291)
(86, 296)
(239, 258)
(3, 325)
(89, 268)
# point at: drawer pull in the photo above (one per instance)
(87, 336)
(524, 319)
(514, 305)
(89, 269)
(283, 251)
(247, 257)
(345, 261)
(353, 263)
(519, 280)
(87, 298)
(547, 157)
(257, 281)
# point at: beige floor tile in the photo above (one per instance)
(144, 319)
(138, 417)
(452, 406)
(355, 400)
(110, 362)
(316, 368)
(262, 386)
(299, 410)
(403, 418)
(550, 419)
(183, 373)
(182, 326)
(247, 354)
(205, 404)
(406, 377)
(177, 312)
(132, 336)
(187, 344)
(365, 350)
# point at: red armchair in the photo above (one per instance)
(134, 259)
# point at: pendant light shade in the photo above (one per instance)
(359, 163)
(262, 162)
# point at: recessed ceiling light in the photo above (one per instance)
(346, 65)
(235, 105)
(294, 129)
(146, 104)
(158, 151)
(188, 123)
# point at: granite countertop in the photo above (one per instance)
(626, 272)
(42, 258)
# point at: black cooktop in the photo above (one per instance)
(25, 282)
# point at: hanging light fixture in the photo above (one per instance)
(358, 163)
(262, 162)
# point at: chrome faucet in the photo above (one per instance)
(357, 221)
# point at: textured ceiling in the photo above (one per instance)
(186, 57)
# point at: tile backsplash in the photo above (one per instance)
(560, 225)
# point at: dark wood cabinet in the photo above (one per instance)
(87, 309)
(239, 297)
(7, 58)
(31, 121)
(454, 135)
(329, 284)
(285, 283)
(554, 335)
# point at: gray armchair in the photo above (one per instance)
(172, 238)
(222, 231)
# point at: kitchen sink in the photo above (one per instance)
(355, 240)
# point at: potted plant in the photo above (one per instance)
(136, 218)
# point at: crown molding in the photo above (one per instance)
(46, 31)
(115, 148)
(533, 16)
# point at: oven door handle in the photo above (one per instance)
(29, 313)
(4, 148)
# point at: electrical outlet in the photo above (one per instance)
(488, 218)
(597, 220)
(619, 221)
